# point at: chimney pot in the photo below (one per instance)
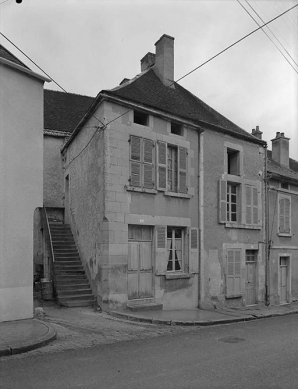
(257, 133)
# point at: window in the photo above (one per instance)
(176, 129)
(233, 272)
(174, 249)
(232, 202)
(233, 162)
(171, 168)
(141, 162)
(284, 215)
(251, 255)
(284, 185)
(141, 118)
(238, 204)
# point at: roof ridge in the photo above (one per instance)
(130, 81)
(68, 93)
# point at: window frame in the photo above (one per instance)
(289, 215)
(173, 240)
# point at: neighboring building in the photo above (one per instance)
(165, 196)
(21, 181)
(282, 222)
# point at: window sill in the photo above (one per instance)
(233, 296)
(174, 194)
(176, 276)
(285, 235)
(242, 226)
(140, 190)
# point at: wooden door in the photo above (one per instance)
(139, 263)
(250, 284)
(283, 277)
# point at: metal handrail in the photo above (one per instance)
(52, 258)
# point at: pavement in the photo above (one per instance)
(95, 327)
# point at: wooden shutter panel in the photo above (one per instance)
(222, 201)
(255, 206)
(233, 272)
(161, 237)
(287, 216)
(282, 215)
(135, 173)
(135, 148)
(161, 165)
(248, 209)
(182, 158)
(193, 238)
(148, 181)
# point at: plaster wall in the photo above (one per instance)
(21, 182)
(219, 237)
(282, 245)
(53, 177)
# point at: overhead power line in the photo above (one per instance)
(268, 36)
(235, 43)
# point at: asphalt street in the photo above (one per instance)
(256, 354)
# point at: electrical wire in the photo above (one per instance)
(4, 2)
(269, 36)
(233, 44)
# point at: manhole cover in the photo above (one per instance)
(231, 339)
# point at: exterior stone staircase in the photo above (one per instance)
(72, 285)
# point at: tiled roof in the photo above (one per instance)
(147, 89)
(63, 111)
(280, 171)
(4, 53)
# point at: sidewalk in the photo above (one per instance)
(20, 336)
(97, 328)
(202, 317)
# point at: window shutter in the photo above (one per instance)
(135, 173)
(233, 272)
(193, 238)
(222, 201)
(248, 204)
(148, 164)
(161, 237)
(255, 206)
(135, 148)
(182, 169)
(282, 215)
(287, 216)
(162, 166)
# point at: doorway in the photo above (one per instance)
(250, 278)
(283, 279)
(139, 262)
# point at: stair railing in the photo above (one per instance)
(50, 251)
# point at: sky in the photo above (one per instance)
(90, 45)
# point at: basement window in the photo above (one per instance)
(176, 129)
(141, 118)
(284, 185)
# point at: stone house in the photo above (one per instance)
(282, 226)
(165, 196)
(21, 181)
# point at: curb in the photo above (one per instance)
(23, 347)
(140, 319)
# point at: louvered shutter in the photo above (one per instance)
(287, 216)
(161, 250)
(161, 237)
(255, 206)
(182, 158)
(148, 180)
(284, 215)
(193, 265)
(135, 161)
(193, 238)
(233, 272)
(222, 207)
(248, 208)
(161, 165)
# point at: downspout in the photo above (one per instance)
(201, 218)
(267, 245)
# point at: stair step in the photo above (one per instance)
(75, 292)
(87, 296)
(73, 286)
(144, 307)
(78, 303)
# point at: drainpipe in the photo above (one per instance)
(201, 217)
(267, 238)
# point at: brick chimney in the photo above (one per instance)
(164, 60)
(257, 133)
(280, 149)
(147, 61)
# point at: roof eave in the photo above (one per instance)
(24, 70)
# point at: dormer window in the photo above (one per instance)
(141, 118)
(176, 129)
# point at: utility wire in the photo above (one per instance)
(233, 44)
(268, 36)
(4, 2)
